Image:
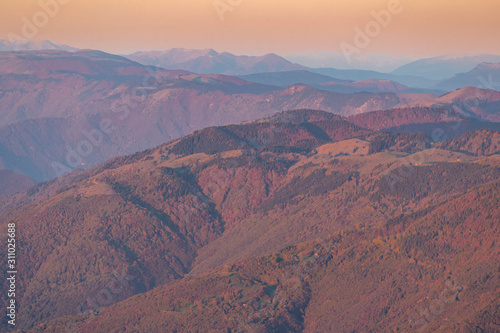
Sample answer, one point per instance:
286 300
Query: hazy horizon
312 59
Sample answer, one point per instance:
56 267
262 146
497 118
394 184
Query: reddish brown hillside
226 194
380 120
433 271
479 143
439 123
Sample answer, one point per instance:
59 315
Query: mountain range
428 73
209 61
56 107
196 191
72 110
484 75
303 221
201 191
204 61
60 106
442 73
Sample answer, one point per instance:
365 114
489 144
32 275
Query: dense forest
269 226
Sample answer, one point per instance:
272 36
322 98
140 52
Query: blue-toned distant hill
209 61
484 76
444 67
329 83
359 74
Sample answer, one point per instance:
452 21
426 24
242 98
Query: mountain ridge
444 67
484 76
146 106
209 61
186 204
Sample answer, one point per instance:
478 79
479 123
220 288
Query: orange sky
424 27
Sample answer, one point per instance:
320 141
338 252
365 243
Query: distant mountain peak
204 61
444 67
28 45
469 92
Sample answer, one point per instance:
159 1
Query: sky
413 28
